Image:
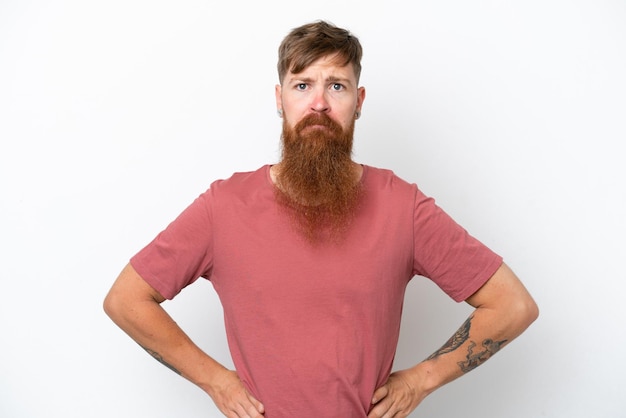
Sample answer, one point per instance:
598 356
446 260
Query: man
310 258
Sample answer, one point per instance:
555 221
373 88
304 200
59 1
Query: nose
320 102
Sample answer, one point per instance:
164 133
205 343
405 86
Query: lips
313 127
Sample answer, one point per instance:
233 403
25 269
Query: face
323 87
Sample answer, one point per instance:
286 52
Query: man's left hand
397 398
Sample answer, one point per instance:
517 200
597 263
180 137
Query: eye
301 86
337 87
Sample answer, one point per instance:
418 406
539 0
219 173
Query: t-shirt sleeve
447 254
181 253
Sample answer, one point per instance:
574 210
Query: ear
279 99
360 98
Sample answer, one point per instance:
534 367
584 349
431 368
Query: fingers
255 405
383 402
234 400
383 409
396 398
388 409
246 410
380 393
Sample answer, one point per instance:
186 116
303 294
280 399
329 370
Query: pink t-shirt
313 330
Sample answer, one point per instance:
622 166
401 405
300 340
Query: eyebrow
331 79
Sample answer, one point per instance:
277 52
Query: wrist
212 378
425 378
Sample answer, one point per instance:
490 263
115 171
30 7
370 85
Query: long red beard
316 180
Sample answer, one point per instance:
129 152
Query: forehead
330 66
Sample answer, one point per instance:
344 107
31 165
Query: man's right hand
232 398
135 307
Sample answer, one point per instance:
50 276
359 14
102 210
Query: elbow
108 305
112 305
533 311
526 312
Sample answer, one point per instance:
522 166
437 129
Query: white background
115 114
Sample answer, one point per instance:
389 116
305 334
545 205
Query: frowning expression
322 87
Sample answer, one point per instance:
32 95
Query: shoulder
242 182
395 190
386 179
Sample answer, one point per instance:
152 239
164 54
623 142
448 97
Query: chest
261 259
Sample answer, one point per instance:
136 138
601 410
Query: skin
503 307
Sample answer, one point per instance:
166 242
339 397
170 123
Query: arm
136 308
503 310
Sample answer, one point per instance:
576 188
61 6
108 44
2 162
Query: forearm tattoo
455 341
159 358
472 359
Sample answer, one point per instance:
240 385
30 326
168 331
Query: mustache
320 119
